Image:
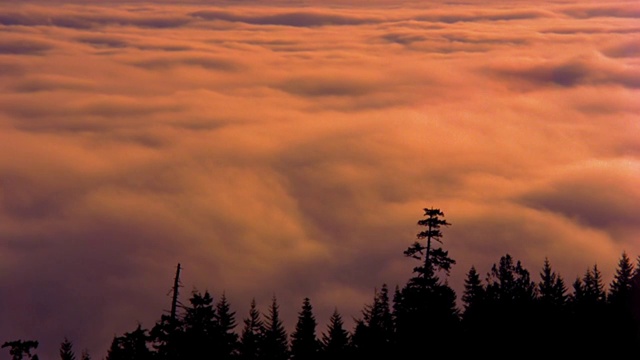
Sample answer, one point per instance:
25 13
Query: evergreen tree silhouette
274 344
434 258
620 288
621 323
552 290
473 316
304 342
551 310
635 301
511 295
335 342
588 309
167 338
18 349
66 350
200 327
226 323
374 332
426 310
251 336
594 291
130 346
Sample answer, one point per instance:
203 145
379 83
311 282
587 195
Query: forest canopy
525 312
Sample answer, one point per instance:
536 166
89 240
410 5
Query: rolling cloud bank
290 150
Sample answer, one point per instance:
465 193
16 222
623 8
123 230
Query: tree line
504 314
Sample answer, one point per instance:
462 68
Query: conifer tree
374 333
335 342
200 327
474 292
552 291
427 310
304 342
275 345
226 323
621 323
511 296
473 299
66 350
434 257
130 346
18 349
251 335
167 338
474 316
594 290
551 309
588 309
635 300
620 288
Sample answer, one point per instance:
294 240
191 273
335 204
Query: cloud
629 49
291 18
101 41
588 70
600 194
328 86
204 61
289 150
10 46
474 15
622 10
86 17
51 83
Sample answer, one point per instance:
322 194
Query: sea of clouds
288 150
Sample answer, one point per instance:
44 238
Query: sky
288 149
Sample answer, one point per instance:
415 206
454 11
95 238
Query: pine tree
335 342
474 293
620 288
228 342
621 324
552 291
304 343
18 349
200 327
593 287
66 350
374 334
130 346
511 296
251 336
275 344
551 309
635 300
427 309
588 310
168 339
475 310
434 258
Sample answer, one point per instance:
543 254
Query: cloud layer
290 150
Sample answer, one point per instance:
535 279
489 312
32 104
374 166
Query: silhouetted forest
505 313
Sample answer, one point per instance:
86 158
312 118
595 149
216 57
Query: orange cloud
273 148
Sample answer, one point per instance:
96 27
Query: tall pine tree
335 342
227 339
66 350
251 335
304 342
275 345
